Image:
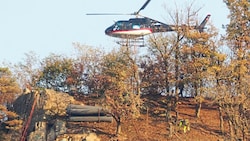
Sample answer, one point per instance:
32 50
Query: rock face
40 132
48 118
58 133
23 105
78 137
49 103
58 128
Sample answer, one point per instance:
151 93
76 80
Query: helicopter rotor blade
144 5
135 13
106 14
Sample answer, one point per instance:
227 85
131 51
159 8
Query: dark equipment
139 27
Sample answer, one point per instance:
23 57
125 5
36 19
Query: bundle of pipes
88 113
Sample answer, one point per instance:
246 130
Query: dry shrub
55 103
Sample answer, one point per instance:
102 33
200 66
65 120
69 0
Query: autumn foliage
184 64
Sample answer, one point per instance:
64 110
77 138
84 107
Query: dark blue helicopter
138 27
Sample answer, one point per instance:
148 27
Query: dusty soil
151 125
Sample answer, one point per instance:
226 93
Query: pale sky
51 26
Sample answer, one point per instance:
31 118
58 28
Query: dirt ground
151 125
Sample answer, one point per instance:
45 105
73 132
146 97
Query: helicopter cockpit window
120 25
116 27
138 23
136 26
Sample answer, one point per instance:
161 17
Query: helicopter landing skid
135 42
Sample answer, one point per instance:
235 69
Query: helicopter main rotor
144 5
135 13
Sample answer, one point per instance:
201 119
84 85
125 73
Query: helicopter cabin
139 23
135 23
132 28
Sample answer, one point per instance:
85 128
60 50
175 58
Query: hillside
152 126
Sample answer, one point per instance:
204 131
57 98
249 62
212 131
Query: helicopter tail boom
201 27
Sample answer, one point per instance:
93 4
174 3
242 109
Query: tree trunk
176 106
177 117
170 129
221 120
231 130
235 124
198 110
118 127
168 109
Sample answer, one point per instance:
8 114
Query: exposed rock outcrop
49 104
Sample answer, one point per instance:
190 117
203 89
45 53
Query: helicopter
139 27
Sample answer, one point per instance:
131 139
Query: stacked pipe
86 113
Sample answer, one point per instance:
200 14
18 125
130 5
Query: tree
9 90
26 72
55 72
156 67
181 58
120 96
87 67
237 82
216 73
200 50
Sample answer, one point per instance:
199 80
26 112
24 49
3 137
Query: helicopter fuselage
132 33
138 27
135 27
